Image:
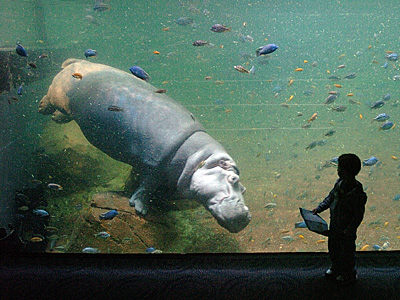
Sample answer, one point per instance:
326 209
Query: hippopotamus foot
140 200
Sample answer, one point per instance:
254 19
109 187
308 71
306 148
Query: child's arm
324 204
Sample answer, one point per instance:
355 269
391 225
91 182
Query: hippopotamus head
215 184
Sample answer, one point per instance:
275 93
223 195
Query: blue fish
382 117
102 234
19 92
396 198
41 213
392 57
377 247
21 50
140 73
386 64
300 225
184 21
90 250
386 97
335 160
370 161
108 215
386 126
266 49
377 104
90 53
150 250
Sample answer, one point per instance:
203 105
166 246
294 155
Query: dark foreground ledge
193 276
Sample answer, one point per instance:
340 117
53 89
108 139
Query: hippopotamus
127 119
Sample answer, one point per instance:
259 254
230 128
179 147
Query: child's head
349 165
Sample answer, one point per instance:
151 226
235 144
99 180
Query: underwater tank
283 117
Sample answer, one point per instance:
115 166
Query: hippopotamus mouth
222 194
230 211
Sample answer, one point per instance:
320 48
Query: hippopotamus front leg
143 195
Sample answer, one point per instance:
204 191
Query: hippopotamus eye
232 179
223 164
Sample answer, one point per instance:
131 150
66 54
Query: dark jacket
347 206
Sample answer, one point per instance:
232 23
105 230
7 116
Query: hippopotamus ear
70 61
242 188
61 118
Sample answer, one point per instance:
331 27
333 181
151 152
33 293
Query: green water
244 111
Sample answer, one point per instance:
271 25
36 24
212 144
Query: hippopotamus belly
123 116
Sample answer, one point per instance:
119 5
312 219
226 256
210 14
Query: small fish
340 108
32 65
288 238
320 241
312 118
311 145
267 49
300 225
160 91
341 66
77 76
330 132
270 205
377 247
364 248
381 117
139 73
19 92
386 97
298 69
101 7
21 50
290 82
44 55
156 52
350 94
396 77
36 239
241 69
334 77
115 108
55 186
41 213
392 57
219 28
370 161
338 85
90 53
330 99
199 43
396 198
350 76
377 104
387 125
102 234
252 70
108 215
184 21
90 250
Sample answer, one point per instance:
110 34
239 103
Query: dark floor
214 276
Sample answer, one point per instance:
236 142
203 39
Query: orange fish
156 52
393 157
77 76
375 61
350 94
290 82
298 69
305 61
370 46
228 110
332 92
208 78
389 51
361 116
165 29
337 85
290 98
313 117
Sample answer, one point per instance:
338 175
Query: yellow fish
365 247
